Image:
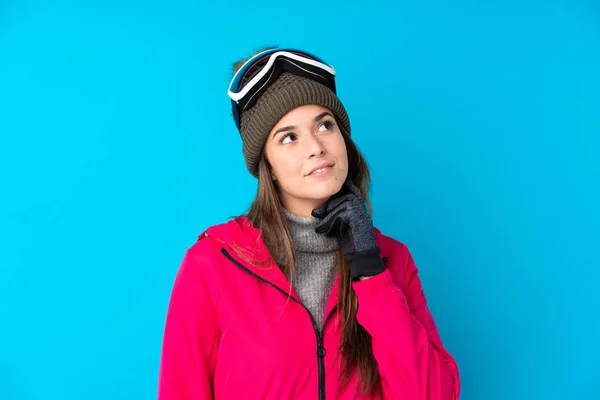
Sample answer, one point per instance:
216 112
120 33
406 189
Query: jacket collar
243 244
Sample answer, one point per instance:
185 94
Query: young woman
301 297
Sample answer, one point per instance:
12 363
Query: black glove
345 216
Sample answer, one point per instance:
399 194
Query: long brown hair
267 214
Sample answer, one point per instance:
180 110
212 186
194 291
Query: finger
355 190
319 212
329 223
329 205
334 229
344 225
336 201
332 204
345 194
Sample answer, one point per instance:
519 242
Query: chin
327 189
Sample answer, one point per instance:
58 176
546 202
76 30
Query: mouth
321 169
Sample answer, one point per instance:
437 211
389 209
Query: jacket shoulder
207 244
389 244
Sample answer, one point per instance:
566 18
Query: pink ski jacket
233 333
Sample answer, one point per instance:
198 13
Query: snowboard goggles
256 75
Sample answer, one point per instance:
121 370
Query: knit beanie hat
285 94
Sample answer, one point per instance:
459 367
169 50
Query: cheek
340 151
284 164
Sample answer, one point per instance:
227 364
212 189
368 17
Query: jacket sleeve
412 361
191 338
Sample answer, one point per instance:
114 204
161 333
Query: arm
191 338
413 363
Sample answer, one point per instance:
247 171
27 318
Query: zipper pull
321 351
320 348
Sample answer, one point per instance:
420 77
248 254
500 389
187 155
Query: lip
324 165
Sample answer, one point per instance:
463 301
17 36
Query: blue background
480 120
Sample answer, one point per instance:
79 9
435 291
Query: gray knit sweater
316 264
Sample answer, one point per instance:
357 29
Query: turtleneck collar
304 236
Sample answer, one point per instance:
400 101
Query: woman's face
308 158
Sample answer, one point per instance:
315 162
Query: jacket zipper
318 333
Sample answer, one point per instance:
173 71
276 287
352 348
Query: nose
315 146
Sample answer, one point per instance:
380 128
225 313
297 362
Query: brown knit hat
285 94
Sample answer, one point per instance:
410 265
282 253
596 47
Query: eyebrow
292 127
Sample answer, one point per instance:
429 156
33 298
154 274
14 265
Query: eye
328 124
287 138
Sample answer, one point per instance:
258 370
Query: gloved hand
345 216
